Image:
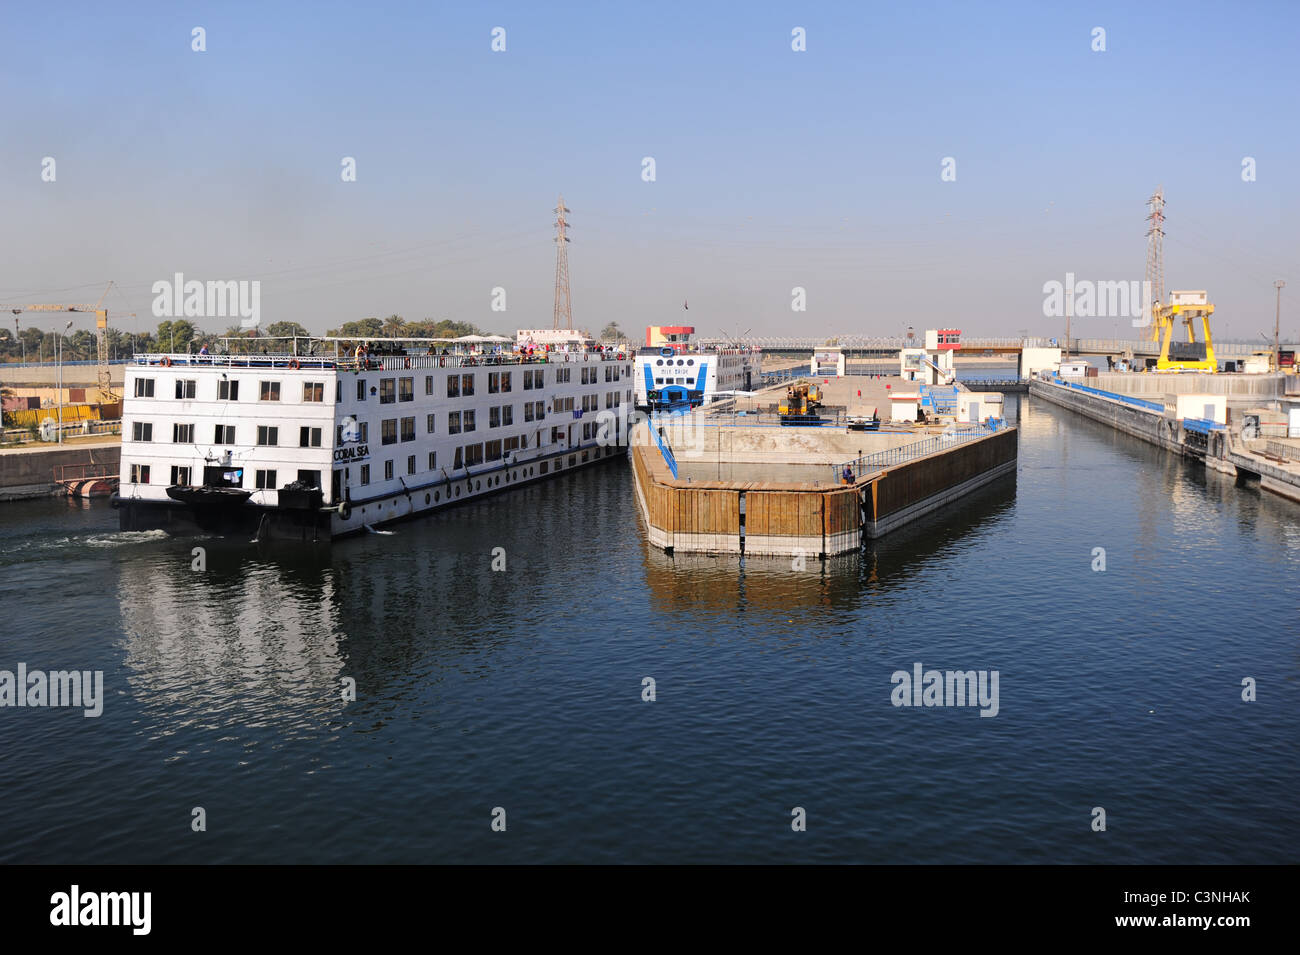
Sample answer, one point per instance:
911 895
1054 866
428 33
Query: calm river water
522 688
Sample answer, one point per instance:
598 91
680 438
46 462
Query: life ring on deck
345 510
293 363
621 356
408 363
442 361
167 362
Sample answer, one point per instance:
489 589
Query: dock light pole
58 338
1277 326
2 417
1067 326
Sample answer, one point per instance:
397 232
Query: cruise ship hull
323 524
308 449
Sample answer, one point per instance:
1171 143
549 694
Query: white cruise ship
319 443
678 373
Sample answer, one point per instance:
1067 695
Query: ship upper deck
696 349
388 355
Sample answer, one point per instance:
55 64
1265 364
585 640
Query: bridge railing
750 419
1202 425
1119 346
669 458
71 429
865 463
1077 346
1285 451
1142 403
9 365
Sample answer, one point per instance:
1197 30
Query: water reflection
730 584
246 642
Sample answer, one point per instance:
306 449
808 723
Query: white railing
370 363
71 429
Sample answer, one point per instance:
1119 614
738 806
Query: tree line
182 335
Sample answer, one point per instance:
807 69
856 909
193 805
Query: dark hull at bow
209 497
223 514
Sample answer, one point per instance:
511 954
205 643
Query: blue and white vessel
684 374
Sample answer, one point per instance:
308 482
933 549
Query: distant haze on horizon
774 168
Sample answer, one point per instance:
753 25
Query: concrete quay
28 471
1145 412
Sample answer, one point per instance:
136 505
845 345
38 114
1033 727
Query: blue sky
775 168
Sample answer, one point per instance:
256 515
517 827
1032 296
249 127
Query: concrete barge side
757 517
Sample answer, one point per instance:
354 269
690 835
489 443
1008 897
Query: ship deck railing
369 363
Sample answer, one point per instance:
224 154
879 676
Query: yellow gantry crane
106 392
1193 308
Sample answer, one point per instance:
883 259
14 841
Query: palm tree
234 345
394 326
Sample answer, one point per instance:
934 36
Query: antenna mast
563 305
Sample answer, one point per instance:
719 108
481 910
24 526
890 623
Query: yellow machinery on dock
1192 355
800 401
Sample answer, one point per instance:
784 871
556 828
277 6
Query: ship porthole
514 476
437 496
426 499
458 492
478 485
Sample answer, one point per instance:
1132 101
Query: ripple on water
232 688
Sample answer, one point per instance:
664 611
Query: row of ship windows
267 435
390 389
228 389
231 477
465 456
457 422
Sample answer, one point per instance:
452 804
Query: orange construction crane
107 394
